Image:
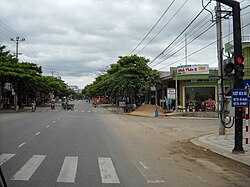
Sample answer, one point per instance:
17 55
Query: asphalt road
94 147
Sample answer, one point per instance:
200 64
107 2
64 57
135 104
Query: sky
77 39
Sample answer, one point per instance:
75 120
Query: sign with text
193 69
239 98
171 93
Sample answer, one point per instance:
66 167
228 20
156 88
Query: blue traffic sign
246 84
239 98
124 98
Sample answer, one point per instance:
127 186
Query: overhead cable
169 56
152 27
191 54
163 26
180 34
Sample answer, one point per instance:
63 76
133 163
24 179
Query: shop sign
193 69
239 98
171 93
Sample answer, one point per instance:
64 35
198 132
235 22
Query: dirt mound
148 110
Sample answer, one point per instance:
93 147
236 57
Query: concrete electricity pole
52 73
17 41
220 68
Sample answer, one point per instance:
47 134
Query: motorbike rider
52 105
33 106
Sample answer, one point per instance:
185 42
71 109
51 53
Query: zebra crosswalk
29 168
68 170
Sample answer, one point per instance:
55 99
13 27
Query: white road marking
145 167
47 126
58 118
155 181
54 121
22 144
107 170
37 133
89 111
83 111
68 171
5 157
29 168
145 171
76 110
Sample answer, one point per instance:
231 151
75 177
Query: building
197 85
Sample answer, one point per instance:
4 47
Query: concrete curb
206 142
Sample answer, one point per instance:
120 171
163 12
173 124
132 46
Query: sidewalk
223 145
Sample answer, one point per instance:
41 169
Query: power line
181 33
27 45
206 46
153 27
169 56
190 33
163 26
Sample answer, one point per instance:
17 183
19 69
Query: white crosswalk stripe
107 170
5 157
68 171
29 168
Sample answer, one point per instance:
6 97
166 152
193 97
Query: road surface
94 147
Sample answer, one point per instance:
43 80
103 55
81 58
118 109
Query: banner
171 93
193 69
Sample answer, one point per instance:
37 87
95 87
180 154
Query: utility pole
176 91
220 69
52 73
186 48
17 41
238 83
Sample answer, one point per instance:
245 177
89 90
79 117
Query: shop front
199 96
198 87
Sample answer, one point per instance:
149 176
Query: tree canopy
130 76
28 76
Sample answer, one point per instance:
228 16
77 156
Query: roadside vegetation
130 76
27 81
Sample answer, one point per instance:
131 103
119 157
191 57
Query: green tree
27 79
130 76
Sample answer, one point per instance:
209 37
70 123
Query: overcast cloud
77 38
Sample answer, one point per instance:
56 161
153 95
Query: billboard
193 69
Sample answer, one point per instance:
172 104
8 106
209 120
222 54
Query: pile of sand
148 110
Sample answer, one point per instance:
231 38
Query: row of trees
27 79
130 76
